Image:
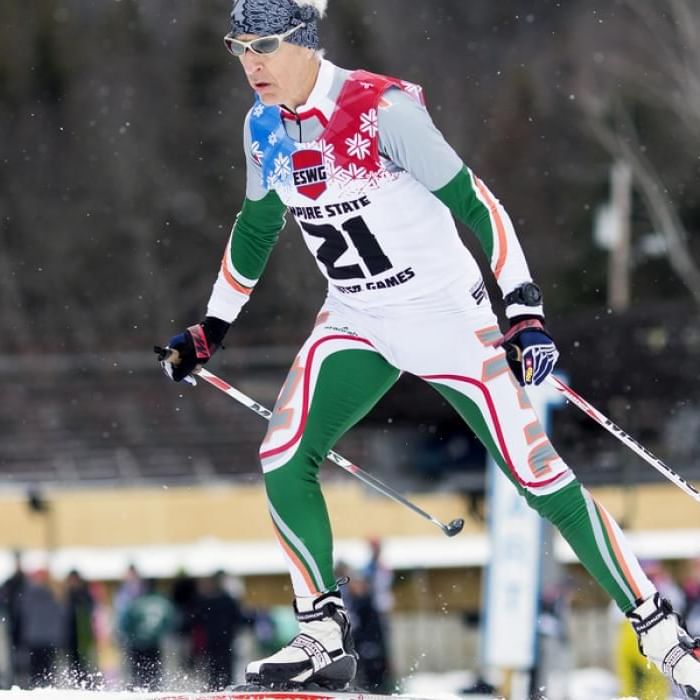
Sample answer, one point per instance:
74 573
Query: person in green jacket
146 621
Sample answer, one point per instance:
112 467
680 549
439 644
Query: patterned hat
264 17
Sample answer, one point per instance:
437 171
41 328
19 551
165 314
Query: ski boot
663 640
322 654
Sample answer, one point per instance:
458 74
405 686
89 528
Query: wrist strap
521 326
201 345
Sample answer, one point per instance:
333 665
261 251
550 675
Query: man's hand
187 351
530 350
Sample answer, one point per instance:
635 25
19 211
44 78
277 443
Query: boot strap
663 610
672 658
322 614
648 622
317 653
333 603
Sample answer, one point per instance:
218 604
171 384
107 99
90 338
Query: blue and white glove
191 349
530 350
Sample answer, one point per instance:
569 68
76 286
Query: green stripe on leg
566 509
349 384
297 550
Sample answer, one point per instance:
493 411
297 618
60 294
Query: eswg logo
309 173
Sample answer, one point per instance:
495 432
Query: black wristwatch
527 294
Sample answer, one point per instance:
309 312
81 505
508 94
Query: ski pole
623 437
451 529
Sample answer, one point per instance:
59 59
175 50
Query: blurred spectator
80 635
380 578
185 599
107 653
219 618
368 632
664 582
10 599
691 591
144 624
131 587
554 610
553 660
42 626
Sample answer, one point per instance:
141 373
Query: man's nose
251 62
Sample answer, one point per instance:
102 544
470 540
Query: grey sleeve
254 189
408 137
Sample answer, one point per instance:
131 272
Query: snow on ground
58 694
63 694
584 684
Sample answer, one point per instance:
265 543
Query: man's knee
296 462
558 505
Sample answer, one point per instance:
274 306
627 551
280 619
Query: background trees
123 168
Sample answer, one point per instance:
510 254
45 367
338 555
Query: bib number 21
334 245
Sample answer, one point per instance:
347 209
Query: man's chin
267 97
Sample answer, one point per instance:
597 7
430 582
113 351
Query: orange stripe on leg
283 412
605 518
296 562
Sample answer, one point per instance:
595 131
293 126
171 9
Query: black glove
192 348
530 350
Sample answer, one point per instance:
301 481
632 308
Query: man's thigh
461 359
336 378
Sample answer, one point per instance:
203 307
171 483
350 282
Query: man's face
278 76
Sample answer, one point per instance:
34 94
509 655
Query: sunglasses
264 46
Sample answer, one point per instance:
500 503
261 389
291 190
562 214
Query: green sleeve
255 233
461 199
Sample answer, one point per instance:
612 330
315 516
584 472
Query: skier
373 186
